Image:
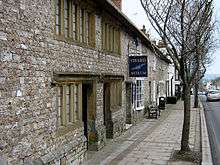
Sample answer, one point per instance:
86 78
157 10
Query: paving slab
151 141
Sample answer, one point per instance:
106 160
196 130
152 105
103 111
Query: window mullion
80 102
63 111
72 115
62 17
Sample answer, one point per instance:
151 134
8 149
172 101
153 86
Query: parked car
201 93
213 95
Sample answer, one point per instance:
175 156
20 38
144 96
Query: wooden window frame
111 38
116 94
88 39
75 113
139 91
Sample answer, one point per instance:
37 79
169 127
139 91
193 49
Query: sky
135 12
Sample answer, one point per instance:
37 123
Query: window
81 27
116 93
58 17
177 76
139 94
66 18
110 38
69 103
75 22
74 26
154 63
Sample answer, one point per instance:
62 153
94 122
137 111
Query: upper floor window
58 17
75 22
110 38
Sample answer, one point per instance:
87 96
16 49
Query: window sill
62 130
139 108
111 53
115 108
73 42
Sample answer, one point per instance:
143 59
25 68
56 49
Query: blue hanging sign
138 66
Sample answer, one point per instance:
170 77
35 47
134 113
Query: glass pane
65 4
66 18
66 23
74 21
87 27
57 30
58 17
81 25
76 99
66 32
67 101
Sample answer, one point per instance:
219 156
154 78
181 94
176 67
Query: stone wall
29 57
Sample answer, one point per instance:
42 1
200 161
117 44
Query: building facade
64 84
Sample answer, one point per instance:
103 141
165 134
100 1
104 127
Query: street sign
138 66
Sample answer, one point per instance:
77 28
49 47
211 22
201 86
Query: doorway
107 111
129 101
88 111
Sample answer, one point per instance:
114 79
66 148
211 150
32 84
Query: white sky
134 11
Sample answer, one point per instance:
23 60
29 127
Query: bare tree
185 26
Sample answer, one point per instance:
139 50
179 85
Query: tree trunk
183 92
186 122
196 99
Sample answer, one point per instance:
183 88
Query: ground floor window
116 93
69 103
139 94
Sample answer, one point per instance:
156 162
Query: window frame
64 107
73 36
111 36
177 76
139 91
115 94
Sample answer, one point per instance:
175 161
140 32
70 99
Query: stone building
64 84
173 83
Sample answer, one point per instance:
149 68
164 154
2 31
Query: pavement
153 141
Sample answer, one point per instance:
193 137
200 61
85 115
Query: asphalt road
212 114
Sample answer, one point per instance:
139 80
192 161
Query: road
212 113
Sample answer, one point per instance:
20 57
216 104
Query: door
85 90
107 111
128 103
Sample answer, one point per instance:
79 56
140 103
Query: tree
186 28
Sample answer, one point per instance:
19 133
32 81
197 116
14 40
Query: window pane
63 107
81 25
76 99
113 39
140 93
59 100
87 27
66 18
58 17
110 37
103 36
106 36
74 20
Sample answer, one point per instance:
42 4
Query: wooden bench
153 111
